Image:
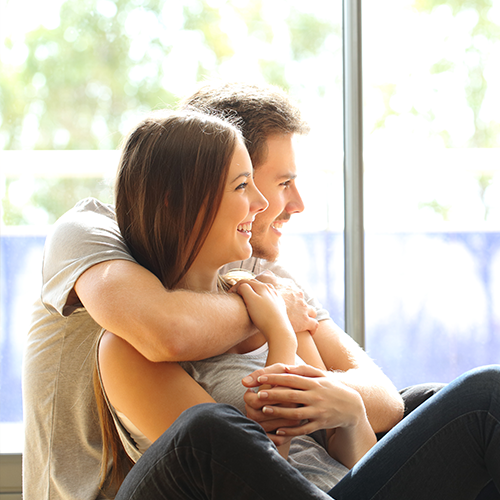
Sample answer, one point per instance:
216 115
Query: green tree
83 82
81 79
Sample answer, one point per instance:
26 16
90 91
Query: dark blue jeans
448 448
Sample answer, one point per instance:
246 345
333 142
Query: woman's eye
243 185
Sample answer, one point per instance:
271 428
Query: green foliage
386 91
435 206
256 25
456 5
53 196
476 86
82 82
308 34
80 79
442 66
274 72
206 19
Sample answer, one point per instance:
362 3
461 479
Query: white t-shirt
62 452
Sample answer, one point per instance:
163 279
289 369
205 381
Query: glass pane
432 186
79 73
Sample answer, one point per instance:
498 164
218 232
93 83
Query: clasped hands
301 400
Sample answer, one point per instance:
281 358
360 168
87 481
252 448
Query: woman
185 202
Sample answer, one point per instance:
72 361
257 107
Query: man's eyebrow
286 177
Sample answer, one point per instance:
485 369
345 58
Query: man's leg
415 395
213 452
448 448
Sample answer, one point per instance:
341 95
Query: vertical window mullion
353 172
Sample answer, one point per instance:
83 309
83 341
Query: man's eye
286 184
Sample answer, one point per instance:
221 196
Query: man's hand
300 313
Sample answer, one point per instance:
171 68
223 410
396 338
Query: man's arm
125 298
354 368
128 300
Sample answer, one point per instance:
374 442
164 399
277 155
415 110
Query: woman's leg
213 452
449 448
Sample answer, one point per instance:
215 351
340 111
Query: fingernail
262 378
280 433
267 409
248 380
263 395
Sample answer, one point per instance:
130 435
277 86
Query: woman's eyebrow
243 174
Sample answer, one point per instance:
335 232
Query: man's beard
259 248
262 252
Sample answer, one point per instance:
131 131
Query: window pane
432 187
79 73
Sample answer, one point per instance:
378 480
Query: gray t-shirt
62 451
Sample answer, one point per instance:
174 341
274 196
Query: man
91 281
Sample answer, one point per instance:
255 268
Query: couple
90 280
185 204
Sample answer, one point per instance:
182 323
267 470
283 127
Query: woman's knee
482 384
484 377
212 422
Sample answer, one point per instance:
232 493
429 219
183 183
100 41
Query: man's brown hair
261 111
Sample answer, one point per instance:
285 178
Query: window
432 186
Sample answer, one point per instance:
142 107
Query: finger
267 277
311 325
300 430
278 423
297 414
251 379
279 440
246 291
311 312
290 380
252 400
303 370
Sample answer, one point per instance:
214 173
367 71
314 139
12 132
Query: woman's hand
319 401
266 309
301 314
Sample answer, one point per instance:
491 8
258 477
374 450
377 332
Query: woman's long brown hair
172 171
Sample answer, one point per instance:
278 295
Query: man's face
275 179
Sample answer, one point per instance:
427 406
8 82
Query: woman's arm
152 395
267 310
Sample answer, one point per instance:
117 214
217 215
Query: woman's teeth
245 228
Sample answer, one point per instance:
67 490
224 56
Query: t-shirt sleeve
86 235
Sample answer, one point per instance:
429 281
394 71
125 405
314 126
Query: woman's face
229 237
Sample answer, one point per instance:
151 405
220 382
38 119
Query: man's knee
415 395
